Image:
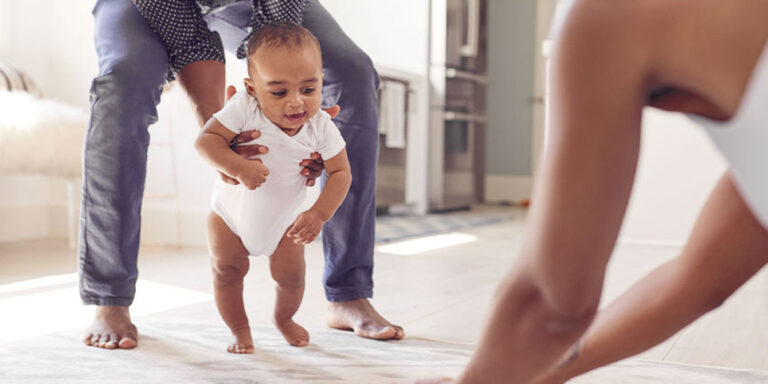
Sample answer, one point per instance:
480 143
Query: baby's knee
290 278
228 270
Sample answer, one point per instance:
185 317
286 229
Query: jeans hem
344 296
103 301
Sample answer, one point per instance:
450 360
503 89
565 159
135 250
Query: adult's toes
378 333
111 341
399 332
127 342
103 340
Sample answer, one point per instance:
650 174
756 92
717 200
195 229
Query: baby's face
287 83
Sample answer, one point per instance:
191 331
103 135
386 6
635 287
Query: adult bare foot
112 328
360 316
243 341
293 333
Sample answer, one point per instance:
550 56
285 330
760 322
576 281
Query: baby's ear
249 87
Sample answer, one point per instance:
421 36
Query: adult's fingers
333 111
230 91
245 136
311 174
312 165
250 150
228 180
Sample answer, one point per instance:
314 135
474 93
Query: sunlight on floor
423 244
57 307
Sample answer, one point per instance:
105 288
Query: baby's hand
253 174
306 227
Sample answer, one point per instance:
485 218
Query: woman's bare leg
727 247
287 268
229 261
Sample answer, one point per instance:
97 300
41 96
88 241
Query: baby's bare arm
213 145
308 225
336 187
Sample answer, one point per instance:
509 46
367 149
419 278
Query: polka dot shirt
186 36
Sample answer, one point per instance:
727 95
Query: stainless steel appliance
457 75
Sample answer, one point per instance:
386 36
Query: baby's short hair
280 34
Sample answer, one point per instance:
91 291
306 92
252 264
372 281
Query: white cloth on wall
392 113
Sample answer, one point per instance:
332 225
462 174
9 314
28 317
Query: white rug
642 372
193 352
190 352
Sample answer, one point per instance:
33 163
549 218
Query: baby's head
285 73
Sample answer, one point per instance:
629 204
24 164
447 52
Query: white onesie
261 216
743 141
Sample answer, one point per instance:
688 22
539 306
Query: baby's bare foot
293 333
243 342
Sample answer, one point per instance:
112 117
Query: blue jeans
132 68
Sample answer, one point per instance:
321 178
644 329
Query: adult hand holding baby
313 166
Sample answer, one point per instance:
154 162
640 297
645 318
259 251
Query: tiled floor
441 294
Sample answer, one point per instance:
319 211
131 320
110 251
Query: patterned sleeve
181 27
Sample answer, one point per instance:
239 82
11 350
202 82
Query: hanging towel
392 110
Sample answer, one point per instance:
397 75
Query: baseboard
184 227
507 188
160 227
22 222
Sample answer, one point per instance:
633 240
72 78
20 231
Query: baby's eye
307 91
278 93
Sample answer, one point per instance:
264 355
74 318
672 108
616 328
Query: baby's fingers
310 235
293 230
301 235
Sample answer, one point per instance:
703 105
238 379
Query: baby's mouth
295 116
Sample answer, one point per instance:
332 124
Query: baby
262 216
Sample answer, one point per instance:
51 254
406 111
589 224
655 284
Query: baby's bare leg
287 267
229 261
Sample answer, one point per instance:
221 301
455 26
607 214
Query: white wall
394 33
52 41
